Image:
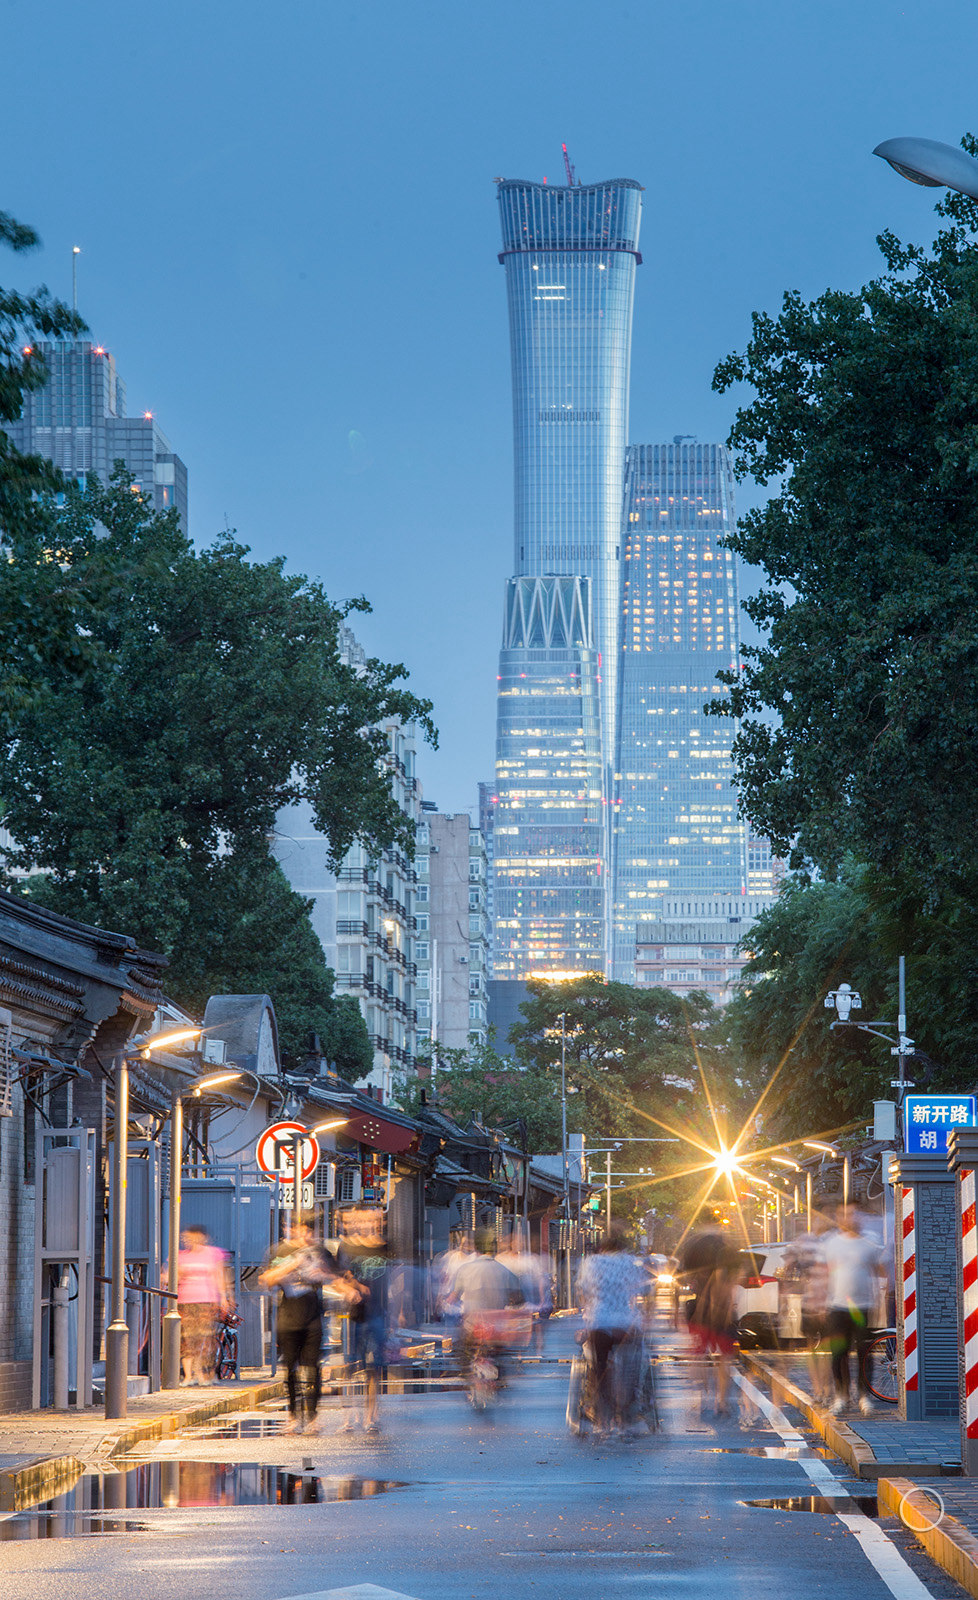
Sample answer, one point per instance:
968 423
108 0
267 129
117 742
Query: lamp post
845 999
563 1151
172 1322
117 1332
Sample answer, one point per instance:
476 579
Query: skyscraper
677 829
570 255
78 421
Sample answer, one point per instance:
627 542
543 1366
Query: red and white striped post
910 1366
924 1226
962 1158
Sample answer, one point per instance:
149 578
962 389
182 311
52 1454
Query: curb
172 1422
949 1544
39 1480
842 1440
53 1475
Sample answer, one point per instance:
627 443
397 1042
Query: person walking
363 1256
204 1293
299 1267
609 1287
854 1262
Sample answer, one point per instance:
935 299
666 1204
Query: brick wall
16 1261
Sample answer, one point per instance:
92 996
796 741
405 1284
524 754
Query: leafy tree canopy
631 1054
146 788
478 1083
857 711
852 930
38 624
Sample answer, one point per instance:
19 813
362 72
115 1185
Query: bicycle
881 1358
631 1384
226 1356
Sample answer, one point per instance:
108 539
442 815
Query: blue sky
289 237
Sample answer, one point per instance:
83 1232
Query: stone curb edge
949 1544
52 1475
842 1440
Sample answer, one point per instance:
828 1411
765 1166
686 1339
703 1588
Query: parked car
757 1298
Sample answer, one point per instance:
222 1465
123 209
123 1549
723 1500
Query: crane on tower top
568 167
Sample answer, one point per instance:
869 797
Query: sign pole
296 1183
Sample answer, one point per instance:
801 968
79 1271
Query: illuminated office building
678 834
570 255
78 421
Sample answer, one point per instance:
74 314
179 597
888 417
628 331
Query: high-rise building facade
570 255
677 831
78 421
368 914
453 952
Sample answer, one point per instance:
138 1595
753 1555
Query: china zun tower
569 255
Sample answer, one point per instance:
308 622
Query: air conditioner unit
347 1186
324 1179
214 1052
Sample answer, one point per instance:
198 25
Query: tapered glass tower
570 255
680 846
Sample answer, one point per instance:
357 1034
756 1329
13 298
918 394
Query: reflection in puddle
98 1502
771 1452
828 1505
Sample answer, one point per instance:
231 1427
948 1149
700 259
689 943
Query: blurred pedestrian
364 1258
299 1267
712 1268
854 1262
533 1278
204 1293
610 1285
806 1270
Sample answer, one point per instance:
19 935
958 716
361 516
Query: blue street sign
929 1118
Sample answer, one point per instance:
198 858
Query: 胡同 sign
929 1118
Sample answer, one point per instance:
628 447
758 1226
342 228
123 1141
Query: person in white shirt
609 1285
853 1260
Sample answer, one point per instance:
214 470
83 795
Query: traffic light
594 1204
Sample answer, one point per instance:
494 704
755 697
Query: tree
856 712
38 606
252 935
146 789
852 929
631 1054
478 1083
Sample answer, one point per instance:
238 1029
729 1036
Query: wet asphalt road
509 1505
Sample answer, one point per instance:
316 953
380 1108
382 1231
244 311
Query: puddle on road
771 1452
826 1505
99 1503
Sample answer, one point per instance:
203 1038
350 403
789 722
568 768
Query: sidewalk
43 1452
916 1465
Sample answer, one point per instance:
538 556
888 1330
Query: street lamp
563 1151
932 164
845 1000
117 1332
172 1321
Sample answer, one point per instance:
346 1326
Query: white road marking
355 1591
876 1545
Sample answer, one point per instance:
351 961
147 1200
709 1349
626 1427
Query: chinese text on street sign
929 1118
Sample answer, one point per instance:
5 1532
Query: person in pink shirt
203 1294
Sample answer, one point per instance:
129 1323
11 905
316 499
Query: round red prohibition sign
276 1147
